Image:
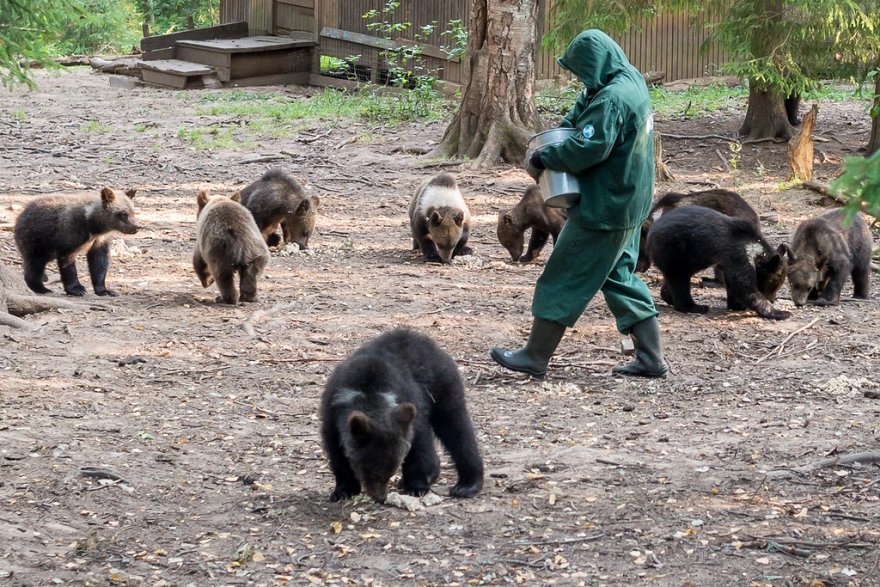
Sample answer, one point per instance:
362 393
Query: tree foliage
167 16
28 29
785 44
102 26
783 47
34 31
860 183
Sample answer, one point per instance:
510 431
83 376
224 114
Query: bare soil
202 418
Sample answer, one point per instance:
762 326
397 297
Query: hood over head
594 58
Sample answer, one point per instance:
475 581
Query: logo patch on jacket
589 131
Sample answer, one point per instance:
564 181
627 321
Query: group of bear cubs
381 408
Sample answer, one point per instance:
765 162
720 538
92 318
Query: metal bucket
559 188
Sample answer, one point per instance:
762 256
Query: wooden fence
671 42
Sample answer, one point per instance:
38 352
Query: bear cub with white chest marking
61 227
382 407
440 220
228 242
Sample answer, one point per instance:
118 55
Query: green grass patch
696 102
213 137
277 115
94 126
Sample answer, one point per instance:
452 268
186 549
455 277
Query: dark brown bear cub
687 240
824 253
61 227
529 213
382 407
727 202
277 198
228 243
440 220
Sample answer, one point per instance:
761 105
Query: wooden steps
175 73
209 58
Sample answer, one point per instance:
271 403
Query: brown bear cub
824 252
529 213
228 242
61 227
771 269
440 220
725 201
277 198
686 240
382 407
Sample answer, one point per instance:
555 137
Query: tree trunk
800 148
766 117
874 141
497 113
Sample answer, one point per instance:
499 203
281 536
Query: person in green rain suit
613 159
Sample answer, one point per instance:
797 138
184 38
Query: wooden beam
230 30
357 38
429 50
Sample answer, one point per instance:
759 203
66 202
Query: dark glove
533 164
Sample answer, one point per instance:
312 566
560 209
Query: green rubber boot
533 358
649 361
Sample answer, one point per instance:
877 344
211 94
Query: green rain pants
586 261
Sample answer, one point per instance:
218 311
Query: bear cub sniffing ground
228 242
727 202
278 198
382 407
440 220
686 240
61 227
529 213
824 252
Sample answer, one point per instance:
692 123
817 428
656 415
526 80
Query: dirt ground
207 414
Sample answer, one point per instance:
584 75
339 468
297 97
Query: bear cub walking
61 227
382 407
529 212
440 220
277 198
228 242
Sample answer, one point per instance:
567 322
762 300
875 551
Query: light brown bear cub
62 227
530 212
228 242
440 220
277 198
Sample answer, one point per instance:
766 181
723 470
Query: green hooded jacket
613 155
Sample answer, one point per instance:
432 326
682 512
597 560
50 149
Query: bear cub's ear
359 424
407 413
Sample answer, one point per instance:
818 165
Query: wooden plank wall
670 43
294 15
257 13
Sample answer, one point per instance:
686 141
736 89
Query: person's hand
533 164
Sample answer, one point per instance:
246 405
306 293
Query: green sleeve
580 152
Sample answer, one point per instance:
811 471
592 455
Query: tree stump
800 148
661 171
